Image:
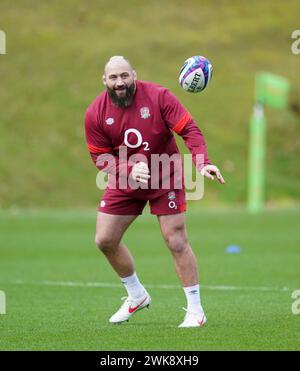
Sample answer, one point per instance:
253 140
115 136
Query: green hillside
52 69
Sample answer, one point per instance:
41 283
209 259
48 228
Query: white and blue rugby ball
195 74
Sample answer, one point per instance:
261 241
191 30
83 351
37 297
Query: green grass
41 249
51 72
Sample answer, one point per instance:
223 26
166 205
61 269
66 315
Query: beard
122 101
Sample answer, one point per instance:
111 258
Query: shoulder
150 87
93 110
161 93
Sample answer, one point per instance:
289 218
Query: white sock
133 286
192 294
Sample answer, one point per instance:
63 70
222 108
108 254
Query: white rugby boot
193 319
129 307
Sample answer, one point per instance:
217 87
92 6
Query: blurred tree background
52 71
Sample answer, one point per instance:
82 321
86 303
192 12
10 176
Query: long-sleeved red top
119 137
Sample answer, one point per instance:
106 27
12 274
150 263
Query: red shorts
116 202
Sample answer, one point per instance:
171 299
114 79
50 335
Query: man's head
119 79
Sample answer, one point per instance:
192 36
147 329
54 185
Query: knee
105 243
177 242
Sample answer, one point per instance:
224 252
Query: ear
134 75
104 80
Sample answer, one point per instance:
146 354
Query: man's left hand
210 171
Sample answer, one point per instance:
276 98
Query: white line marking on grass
116 285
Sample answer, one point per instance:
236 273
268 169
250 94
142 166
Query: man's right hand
140 172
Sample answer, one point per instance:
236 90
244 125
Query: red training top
144 128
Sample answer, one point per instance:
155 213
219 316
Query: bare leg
174 232
109 232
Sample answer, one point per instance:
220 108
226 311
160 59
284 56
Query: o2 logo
2 42
296 303
138 142
296 44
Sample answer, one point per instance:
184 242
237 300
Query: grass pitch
60 291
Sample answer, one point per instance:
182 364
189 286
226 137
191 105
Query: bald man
139 118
